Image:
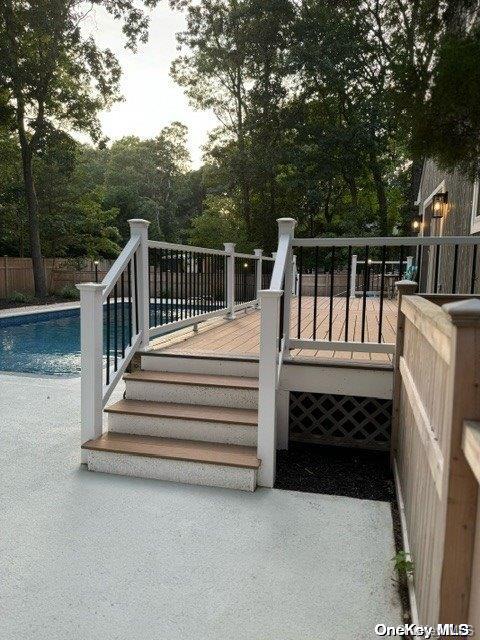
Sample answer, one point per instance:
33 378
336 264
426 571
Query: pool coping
36 309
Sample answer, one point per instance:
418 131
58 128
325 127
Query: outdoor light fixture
96 270
417 221
245 264
439 201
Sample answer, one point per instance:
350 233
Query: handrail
119 265
278 274
156 244
392 241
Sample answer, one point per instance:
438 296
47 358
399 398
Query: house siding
457 222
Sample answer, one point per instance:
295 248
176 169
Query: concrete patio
85 555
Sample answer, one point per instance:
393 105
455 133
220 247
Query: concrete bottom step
186 461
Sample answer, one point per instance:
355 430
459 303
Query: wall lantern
439 201
416 223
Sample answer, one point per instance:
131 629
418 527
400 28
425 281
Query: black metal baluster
162 287
107 331
122 291
437 264
364 300
332 276
172 301
400 266
129 278
135 291
347 304
474 269
300 274
455 267
155 285
115 328
382 285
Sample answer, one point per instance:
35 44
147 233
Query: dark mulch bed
335 471
32 302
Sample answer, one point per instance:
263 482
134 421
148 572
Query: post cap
464 313
406 286
258 252
229 246
286 226
269 293
139 222
90 286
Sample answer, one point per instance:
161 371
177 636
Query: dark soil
335 471
7 304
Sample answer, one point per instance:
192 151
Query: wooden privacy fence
437 377
16 274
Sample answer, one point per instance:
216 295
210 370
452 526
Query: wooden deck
241 337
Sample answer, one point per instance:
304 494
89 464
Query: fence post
353 276
461 488
286 226
139 227
267 385
230 249
258 273
91 344
404 288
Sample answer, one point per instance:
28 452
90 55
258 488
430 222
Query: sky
151 98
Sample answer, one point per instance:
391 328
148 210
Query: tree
51 75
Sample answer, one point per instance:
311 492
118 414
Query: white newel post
267 378
230 249
353 276
139 227
91 344
258 273
286 227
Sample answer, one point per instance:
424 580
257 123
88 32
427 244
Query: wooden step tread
204 413
197 379
187 450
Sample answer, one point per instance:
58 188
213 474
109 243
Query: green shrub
70 292
18 297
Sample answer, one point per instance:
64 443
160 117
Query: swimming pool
46 342
49 342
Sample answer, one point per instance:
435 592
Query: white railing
120 315
275 311
276 340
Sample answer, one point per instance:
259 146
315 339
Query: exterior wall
456 222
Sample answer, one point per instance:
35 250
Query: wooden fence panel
16 274
438 387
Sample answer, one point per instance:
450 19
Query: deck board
241 337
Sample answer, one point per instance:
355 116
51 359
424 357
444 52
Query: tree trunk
33 223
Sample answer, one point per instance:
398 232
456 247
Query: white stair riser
207 366
187 472
183 429
192 394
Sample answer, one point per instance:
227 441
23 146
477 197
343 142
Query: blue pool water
49 342
41 343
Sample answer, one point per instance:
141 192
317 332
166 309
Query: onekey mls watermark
424 631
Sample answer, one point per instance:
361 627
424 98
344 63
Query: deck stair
181 426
